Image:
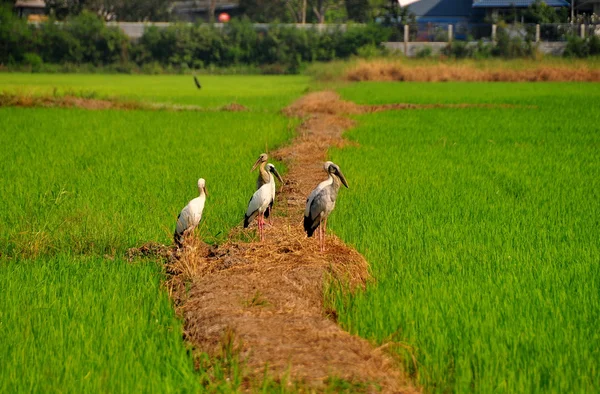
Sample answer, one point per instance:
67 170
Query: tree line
86 39
258 11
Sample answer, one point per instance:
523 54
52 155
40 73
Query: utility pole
572 11
304 12
211 11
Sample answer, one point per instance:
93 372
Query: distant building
33 10
587 7
444 11
503 7
198 10
471 11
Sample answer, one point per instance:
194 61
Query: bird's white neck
264 174
335 181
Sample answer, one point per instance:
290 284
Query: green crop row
257 93
79 188
481 227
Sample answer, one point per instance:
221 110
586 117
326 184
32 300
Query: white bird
263 198
190 215
321 202
260 181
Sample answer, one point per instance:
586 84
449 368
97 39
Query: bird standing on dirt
321 202
262 198
190 215
260 181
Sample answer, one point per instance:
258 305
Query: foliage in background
86 39
122 10
536 12
540 12
582 47
512 41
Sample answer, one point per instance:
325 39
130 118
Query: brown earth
269 295
71 101
440 72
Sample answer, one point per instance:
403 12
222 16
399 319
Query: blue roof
442 8
515 3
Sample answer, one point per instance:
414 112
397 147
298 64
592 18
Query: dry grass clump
443 72
20 100
75 101
269 295
331 110
234 107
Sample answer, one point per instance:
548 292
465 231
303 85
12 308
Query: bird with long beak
264 196
321 202
260 181
190 215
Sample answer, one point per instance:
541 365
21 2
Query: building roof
30 4
185 6
442 8
515 3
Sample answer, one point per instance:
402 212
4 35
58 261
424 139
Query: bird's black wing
268 211
313 220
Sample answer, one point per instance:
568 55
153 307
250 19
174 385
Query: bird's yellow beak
258 161
343 179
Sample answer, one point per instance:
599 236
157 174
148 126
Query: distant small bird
260 181
321 202
190 215
262 198
197 82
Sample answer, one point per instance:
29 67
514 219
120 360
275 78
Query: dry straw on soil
74 101
269 295
442 72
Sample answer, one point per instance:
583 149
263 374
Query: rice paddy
481 227
258 93
81 187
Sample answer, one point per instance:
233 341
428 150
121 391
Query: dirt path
270 295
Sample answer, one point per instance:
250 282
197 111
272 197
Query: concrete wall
136 29
413 48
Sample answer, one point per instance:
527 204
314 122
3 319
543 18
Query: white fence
549 38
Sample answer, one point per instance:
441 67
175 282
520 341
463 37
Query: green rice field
481 226
258 93
81 187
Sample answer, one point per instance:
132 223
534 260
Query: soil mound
270 294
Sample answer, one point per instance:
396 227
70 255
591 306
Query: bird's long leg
258 222
270 220
324 234
261 218
321 238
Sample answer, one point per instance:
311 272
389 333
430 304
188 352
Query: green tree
121 10
267 11
540 12
321 7
358 10
15 36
